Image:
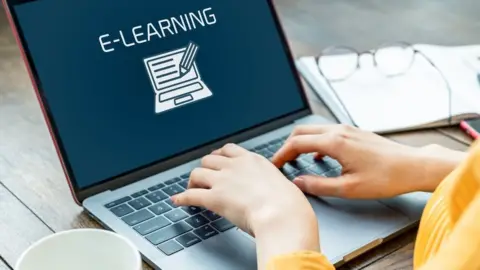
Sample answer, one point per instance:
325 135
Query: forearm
436 163
287 234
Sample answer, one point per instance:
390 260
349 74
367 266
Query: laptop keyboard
152 214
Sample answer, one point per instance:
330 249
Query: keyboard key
211 215
160 208
278 145
139 203
310 159
122 210
176 215
261 147
139 194
302 172
170 247
333 173
156 187
222 225
273 148
288 169
184 184
322 165
188 240
299 164
205 232
170 203
314 170
197 221
332 162
192 210
304 164
156 196
173 189
118 202
277 141
291 177
185 176
152 225
264 153
168 233
174 180
138 217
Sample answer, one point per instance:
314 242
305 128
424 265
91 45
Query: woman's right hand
373 166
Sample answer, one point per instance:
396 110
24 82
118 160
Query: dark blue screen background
103 103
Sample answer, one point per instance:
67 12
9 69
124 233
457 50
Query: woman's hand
251 192
373 166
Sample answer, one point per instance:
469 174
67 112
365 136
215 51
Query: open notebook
418 99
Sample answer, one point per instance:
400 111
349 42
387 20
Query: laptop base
347 227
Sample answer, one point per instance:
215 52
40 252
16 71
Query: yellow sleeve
306 260
461 250
452 239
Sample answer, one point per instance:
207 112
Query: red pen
471 127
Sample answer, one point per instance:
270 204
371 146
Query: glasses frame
373 53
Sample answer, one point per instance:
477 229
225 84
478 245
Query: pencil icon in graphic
188 58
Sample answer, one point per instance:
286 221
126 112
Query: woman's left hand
252 193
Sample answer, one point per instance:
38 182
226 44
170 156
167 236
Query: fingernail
299 181
173 198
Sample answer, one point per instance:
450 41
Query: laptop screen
130 83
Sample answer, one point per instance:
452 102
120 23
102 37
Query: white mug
82 249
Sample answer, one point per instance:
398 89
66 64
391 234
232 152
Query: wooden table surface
35 200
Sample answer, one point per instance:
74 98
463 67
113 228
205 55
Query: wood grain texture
30 168
35 174
384 251
19 227
312 25
401 259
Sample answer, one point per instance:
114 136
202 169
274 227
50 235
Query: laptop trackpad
231 250
347 225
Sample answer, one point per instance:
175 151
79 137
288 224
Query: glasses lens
338 63
394 59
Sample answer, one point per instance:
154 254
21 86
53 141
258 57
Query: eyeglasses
339 63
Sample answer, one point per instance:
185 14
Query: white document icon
175 78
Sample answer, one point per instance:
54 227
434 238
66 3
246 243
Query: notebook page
308 67
380 103
461 66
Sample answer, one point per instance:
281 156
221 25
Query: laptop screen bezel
165 163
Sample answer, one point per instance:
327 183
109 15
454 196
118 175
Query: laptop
102 70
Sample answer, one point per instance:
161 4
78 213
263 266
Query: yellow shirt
449 232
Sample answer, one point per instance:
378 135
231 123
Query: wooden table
34 197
